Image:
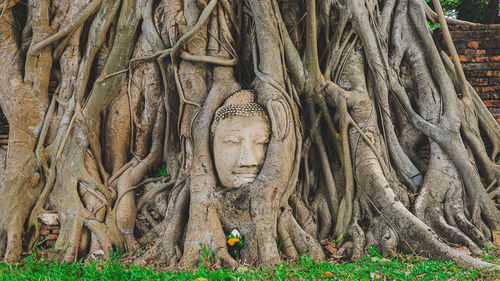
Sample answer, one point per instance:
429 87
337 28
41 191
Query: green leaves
433 26
468 10
162 172
373 266
339 238
208 256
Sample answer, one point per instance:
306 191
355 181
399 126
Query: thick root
19 191
303 243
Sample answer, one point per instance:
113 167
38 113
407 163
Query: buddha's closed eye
231 140
262 140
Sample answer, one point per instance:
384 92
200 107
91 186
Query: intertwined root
10 236
19 189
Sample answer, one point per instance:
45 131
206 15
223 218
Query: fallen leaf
462 249
496 237
411 196
242 269
375 275
332 250
328 274
420 276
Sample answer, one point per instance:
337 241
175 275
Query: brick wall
479 51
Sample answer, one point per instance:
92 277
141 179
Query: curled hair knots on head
241 103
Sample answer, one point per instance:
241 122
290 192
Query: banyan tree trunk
375 135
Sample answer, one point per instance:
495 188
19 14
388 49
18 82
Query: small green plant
402 267
375 255
339 239
117 254
281 244
433 26
162 171
491 254
37 246
208 256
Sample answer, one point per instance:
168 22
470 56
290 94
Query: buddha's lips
248 177
246 171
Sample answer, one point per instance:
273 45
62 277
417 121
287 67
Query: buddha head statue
240 134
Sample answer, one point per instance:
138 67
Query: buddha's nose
247 155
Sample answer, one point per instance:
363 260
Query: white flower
97 253
235 233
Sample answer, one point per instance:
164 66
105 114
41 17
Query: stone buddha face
240 137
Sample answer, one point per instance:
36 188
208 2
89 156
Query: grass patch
371 267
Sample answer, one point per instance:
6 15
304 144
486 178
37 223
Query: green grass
372 267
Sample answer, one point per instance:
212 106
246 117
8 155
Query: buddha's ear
279 115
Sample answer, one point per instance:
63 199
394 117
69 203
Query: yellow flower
233 241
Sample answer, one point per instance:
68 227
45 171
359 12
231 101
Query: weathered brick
494 65
490 43
481 66
479 59
490 89
457 35
460 44
482 59
474 52
493 80
462 58
477 35
475 27
492 103
473 44
478 81
476 73
484 96
494 110
493 52
493 73
52 236
490 95
50 227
